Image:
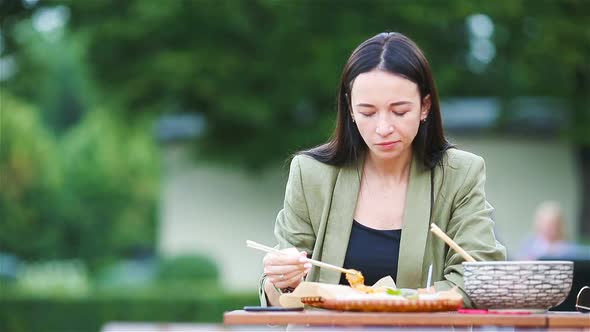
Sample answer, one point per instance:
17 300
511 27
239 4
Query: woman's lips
387 145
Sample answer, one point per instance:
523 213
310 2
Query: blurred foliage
172 276
129 275
179 277
30 178
112 187
268 70
264 73
78 165
62 296
23 314
187 268
62 279
49 65
89 194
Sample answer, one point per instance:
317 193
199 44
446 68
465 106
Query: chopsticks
438 232
262 247
429 277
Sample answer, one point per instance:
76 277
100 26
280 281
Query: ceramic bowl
518 285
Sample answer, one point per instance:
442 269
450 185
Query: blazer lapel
339 222
415 228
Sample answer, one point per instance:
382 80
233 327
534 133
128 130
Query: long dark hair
397 54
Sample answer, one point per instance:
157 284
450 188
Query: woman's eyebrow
364 105
397 103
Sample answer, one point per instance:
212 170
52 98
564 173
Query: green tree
89 194
30 178
264 73
262 70
100 200
111 186
48 64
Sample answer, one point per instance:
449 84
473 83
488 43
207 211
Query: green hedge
90 314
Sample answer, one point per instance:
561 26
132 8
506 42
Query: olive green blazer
320 202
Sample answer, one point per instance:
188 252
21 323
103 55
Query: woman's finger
285 269
292 280
290 256
287 275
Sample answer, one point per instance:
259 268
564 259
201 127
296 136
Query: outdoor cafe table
572 321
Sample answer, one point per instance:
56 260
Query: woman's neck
395 170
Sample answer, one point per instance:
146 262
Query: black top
373 252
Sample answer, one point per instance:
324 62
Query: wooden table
568 320
550 320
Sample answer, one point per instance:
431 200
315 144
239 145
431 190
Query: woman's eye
400 113
367 114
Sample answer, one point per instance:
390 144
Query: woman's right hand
288 269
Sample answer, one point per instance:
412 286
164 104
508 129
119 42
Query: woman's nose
384 128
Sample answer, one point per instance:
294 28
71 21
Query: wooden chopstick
438 232
262 247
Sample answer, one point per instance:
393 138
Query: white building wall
521 173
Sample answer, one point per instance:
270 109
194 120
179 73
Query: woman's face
387 111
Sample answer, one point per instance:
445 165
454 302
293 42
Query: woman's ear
425 109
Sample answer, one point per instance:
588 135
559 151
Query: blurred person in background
365 199
548 239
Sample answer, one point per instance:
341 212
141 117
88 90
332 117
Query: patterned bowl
518 285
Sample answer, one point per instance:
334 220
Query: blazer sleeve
293 227
471 226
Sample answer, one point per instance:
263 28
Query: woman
365 199
549 238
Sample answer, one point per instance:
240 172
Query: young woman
365 199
